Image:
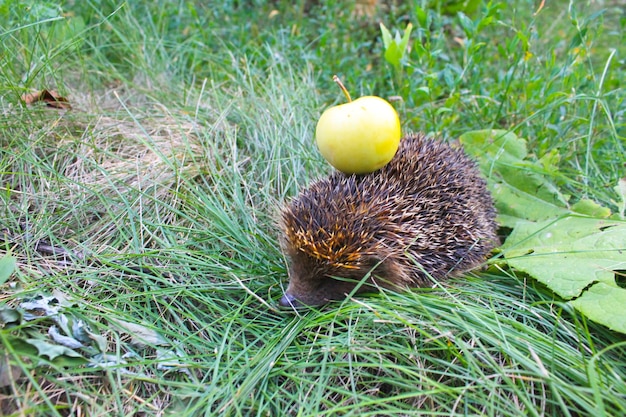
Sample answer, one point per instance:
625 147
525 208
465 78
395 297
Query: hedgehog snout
289 301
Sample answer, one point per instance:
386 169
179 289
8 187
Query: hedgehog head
329 259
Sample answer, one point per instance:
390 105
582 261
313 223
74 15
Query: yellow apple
360 136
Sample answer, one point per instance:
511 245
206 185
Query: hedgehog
425 216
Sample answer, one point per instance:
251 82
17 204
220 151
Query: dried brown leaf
50 98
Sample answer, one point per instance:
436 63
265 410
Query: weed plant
148 210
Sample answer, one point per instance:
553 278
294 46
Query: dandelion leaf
9 316
52 351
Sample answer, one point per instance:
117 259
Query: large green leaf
570 253
578 258
519 189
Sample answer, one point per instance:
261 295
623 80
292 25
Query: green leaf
386 35
425 91
466 24
395 48
591 208
100 340
605 304
576 256
578 39
420 14
52 351
7 266
9 315
451 7
570 253
494 145
404 43
520 190
393 55
550 161
449 77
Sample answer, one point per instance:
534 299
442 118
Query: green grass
191 124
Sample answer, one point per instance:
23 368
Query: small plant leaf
386 35
550 161
63 340
591 208
469 7
404 43
169 359
421 16
40 306
393 54
9 316
578 39
7 266
52 351
466 24
395 48
101 341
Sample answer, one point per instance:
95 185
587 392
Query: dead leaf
50 98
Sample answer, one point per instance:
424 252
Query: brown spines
335 247
333 241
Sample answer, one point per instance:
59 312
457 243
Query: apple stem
343 88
